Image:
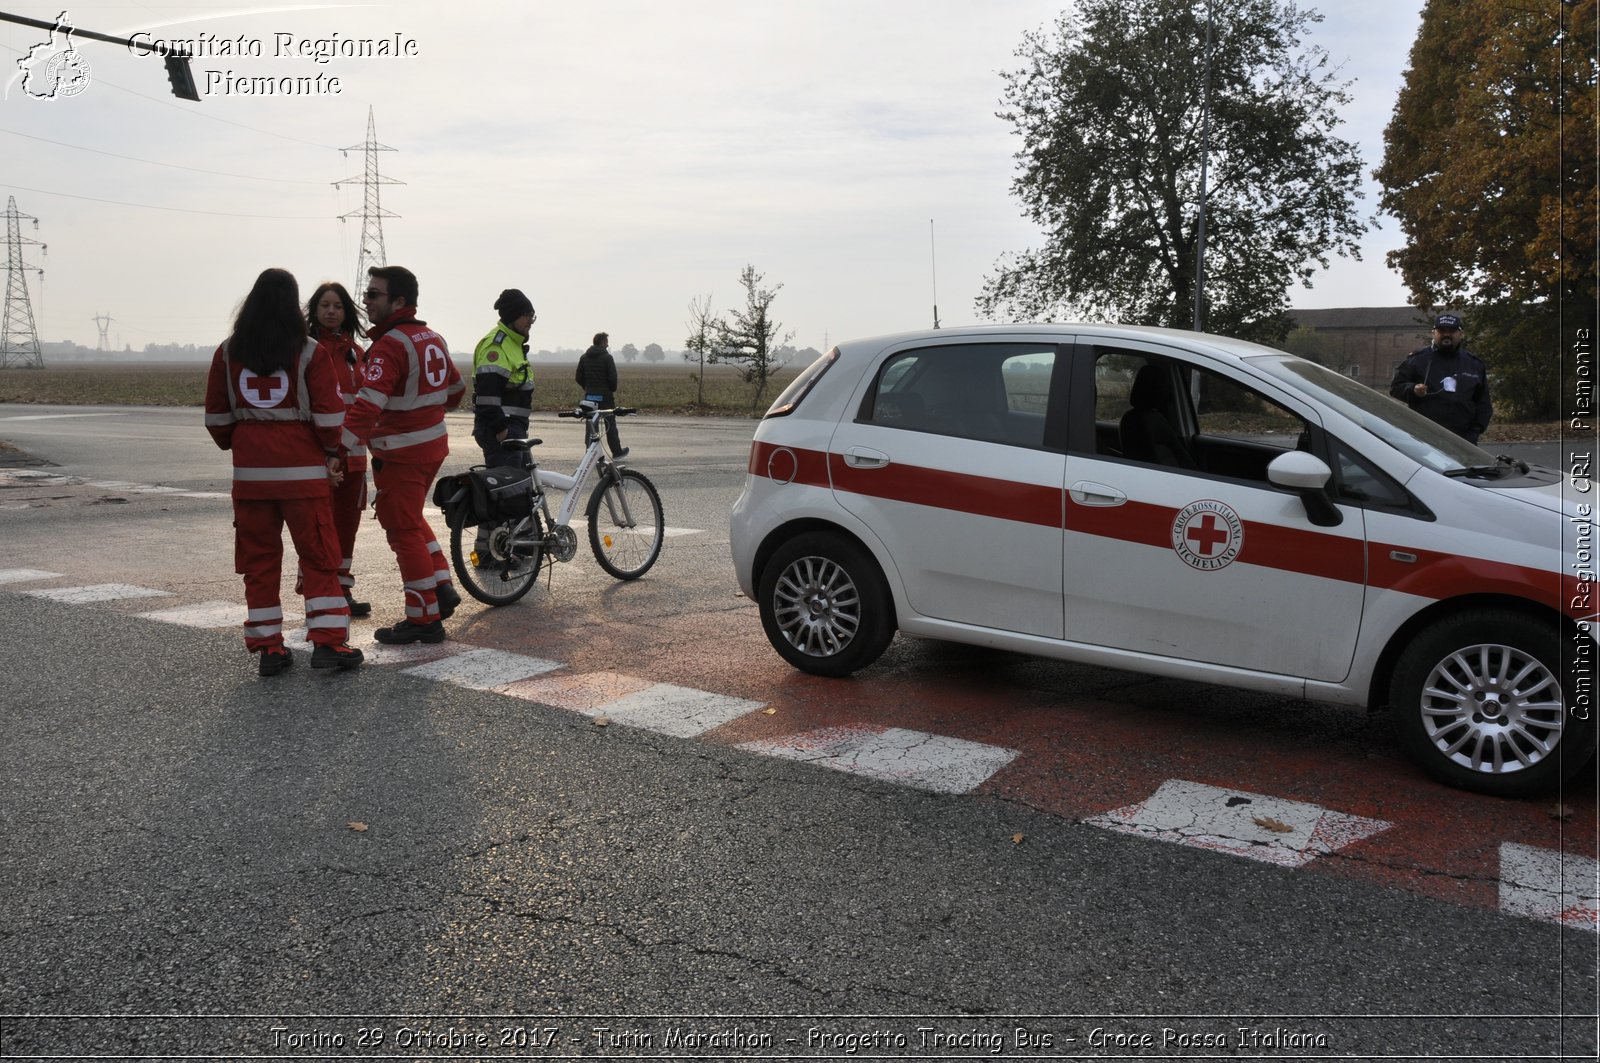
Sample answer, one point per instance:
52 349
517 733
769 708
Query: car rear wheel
824 605
1479 700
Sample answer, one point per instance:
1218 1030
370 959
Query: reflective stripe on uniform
407 439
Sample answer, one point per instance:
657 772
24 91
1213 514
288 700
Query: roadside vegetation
656 388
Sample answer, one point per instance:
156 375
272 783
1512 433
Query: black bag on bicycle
501 493
453 495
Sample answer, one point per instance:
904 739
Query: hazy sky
612 158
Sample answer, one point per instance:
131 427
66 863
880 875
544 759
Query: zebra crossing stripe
484 669
1550 885
99 592
26 575
909 758
1255 826
681 712
203 615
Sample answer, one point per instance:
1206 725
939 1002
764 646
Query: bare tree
702 327
749 338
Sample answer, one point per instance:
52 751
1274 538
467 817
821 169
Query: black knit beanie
512 304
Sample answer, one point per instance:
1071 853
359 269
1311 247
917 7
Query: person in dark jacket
1446 383
597 376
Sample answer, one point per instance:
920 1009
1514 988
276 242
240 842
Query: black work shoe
449 598
327 655
620 452
275 661
357 609
405 633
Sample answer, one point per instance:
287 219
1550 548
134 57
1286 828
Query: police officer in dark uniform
502 380
1446 383
502 389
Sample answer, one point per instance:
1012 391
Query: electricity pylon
372 213
104 321
19 340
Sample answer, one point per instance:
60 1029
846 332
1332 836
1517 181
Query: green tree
629 352
1490 167
750 337
653 353
1109 109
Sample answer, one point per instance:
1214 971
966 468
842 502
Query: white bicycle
502 532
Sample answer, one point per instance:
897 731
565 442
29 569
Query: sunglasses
373 293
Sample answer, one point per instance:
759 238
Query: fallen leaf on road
358 826
1016 839
602 721
1275 825
769 711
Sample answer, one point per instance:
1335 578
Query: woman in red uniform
331 317
272 398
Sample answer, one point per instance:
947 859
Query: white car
1185 505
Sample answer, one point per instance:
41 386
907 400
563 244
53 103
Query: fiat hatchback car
1185 505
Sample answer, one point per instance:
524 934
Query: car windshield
1389 419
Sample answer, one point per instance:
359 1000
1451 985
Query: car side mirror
1307 475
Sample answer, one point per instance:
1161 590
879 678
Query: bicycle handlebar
620 411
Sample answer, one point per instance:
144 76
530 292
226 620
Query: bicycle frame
574 484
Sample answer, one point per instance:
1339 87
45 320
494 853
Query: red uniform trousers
349 502
402 490
258 557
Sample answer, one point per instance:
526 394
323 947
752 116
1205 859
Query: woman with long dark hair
332 322
272 399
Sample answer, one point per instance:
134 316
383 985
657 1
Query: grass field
658 388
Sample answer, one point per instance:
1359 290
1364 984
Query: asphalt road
202 863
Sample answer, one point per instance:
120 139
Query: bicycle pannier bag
501 493
453 495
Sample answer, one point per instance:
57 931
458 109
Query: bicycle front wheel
625 524
498 563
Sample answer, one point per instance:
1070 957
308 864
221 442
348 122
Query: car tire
1478 700
825 605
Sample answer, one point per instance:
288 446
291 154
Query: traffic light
182 80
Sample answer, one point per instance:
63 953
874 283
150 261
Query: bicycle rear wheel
507 567
626 528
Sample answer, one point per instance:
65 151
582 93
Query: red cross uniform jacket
407 384
281 427
349 361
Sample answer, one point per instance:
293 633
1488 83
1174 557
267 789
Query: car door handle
1088 493
862 458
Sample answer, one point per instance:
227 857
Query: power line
153 162
175 210
372 252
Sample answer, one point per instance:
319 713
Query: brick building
1363 342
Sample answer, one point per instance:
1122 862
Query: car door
1176 544
944 459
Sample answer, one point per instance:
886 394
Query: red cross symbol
261 390
1206 537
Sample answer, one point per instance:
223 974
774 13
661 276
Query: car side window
1161 411
994 392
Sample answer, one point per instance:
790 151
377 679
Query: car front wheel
1479 700
824 605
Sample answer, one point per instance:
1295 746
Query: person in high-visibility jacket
272 400
408 383
502 380
502 389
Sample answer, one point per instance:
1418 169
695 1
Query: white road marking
681 712
1269 829
910 758
58 416
484 669
1550 885
99 592
203 615
24 575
